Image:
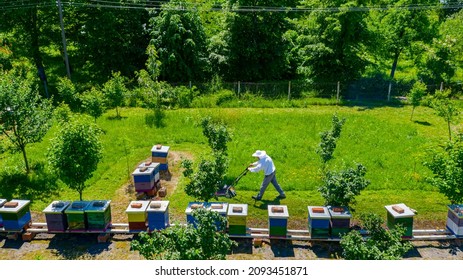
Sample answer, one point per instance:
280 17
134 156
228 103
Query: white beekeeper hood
260 154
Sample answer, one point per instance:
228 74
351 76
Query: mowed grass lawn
383 139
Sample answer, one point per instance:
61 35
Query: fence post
239 88
337 92
190 84
441 86
289 90
389 92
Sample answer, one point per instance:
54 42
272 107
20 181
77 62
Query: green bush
381 244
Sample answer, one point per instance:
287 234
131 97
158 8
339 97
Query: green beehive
98 215
236 215
76 217
400 214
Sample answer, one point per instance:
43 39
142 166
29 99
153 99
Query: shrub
381 244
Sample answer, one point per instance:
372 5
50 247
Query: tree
75 153
180 41
398 29
446 165
187 242
114 91
329 138
68 93
446 109
93 103
210 173
24 116
416 94
329 46
381 244
341 188
257 49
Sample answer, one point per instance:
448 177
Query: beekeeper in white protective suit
265 163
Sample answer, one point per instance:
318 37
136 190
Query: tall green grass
381 138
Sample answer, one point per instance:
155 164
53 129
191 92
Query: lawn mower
229 190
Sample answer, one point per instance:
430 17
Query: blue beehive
15 214
221 208
158 215
319 222
2 201
278 220
159 154
144 179
153 165
192 206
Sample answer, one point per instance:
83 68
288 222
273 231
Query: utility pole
63 36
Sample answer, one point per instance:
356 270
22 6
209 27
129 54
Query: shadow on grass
77 246
371 104
264 203
112 118
156 119
39 184
422 123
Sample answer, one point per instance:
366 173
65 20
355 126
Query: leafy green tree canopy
25 116
341 188
187 242
114 90
381 244
93 103
75 153
447 166
329 138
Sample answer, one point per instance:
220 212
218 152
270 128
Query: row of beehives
95 215
146 177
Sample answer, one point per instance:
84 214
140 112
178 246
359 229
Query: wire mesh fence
367 89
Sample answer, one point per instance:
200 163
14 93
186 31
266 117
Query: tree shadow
156 119
282 248
75 246
111 118
39 184
372 104
422 123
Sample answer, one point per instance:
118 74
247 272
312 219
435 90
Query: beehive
98 215
136 214
159 154
339 220
455 219
144 179
55 216
237 214
192 206
76 215
278 220
2 201
400 214
221 208
158 215
153 165
319 222
15 214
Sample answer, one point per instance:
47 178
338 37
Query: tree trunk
391 76
23 150
450 132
